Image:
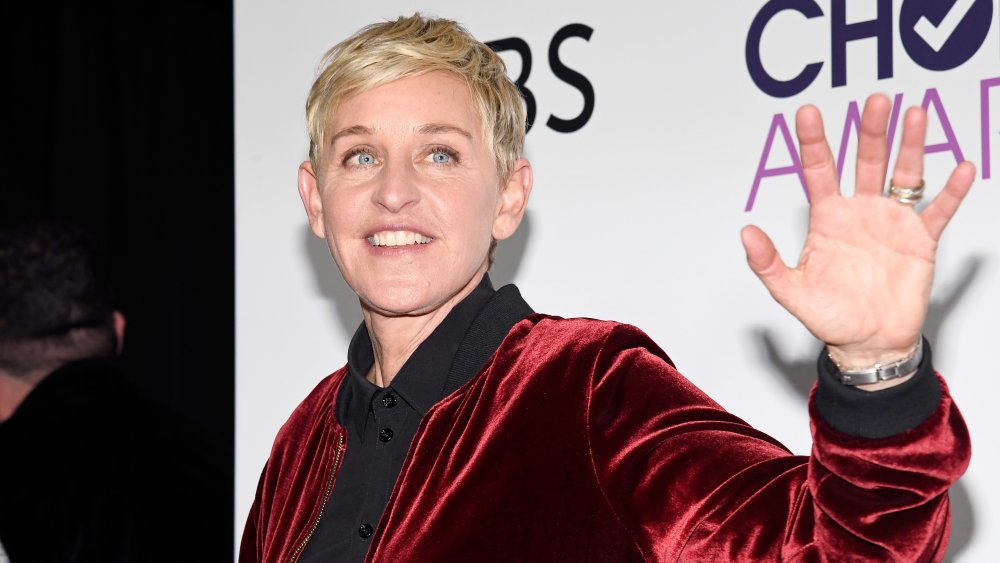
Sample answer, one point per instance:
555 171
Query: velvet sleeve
692 482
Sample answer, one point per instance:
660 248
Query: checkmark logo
944 34
937 35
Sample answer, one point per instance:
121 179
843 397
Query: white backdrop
635 216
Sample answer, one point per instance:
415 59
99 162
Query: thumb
764 260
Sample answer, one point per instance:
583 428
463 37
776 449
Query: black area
877 414
101 474
120 118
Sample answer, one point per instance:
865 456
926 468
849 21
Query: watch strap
881 372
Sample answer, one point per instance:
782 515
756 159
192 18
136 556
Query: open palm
862 283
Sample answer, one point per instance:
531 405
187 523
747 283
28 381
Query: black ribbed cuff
877 414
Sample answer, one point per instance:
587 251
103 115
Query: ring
907 196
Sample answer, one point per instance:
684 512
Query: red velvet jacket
579 441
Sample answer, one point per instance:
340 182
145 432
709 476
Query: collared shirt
381 423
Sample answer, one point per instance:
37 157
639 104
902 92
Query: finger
909 170
818 165
944 206
765 261
873 150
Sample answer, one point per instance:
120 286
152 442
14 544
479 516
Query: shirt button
366 530
385 434
389 400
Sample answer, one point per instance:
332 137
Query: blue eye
440 157
364 159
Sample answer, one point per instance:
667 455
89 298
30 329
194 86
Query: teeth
397 238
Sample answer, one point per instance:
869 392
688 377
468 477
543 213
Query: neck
14 389
395 338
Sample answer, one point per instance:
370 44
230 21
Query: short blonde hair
410 46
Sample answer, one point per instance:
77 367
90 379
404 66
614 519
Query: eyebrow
433 128
353 130
428 129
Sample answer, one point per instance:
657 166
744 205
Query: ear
513 200
119 322
311 198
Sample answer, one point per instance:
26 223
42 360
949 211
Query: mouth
390 239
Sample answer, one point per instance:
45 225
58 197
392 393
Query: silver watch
881 372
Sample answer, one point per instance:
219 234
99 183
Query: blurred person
467 427
90 470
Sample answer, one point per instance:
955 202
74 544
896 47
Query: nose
396 186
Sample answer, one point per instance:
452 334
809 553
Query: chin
397 295
412 297
397 304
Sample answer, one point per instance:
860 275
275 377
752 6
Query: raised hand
862 284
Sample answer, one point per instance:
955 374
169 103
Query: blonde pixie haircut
410 46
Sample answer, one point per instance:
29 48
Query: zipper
326 497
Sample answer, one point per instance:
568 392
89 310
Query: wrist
880 369
852 410
857 357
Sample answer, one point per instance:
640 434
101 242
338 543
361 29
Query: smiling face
407 194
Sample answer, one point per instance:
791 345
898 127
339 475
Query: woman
466 427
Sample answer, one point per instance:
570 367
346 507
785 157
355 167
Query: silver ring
907 195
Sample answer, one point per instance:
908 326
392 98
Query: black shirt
381 422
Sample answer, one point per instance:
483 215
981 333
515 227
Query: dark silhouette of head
55 299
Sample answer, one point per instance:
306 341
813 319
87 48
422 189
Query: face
407 194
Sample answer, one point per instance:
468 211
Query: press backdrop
658 131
